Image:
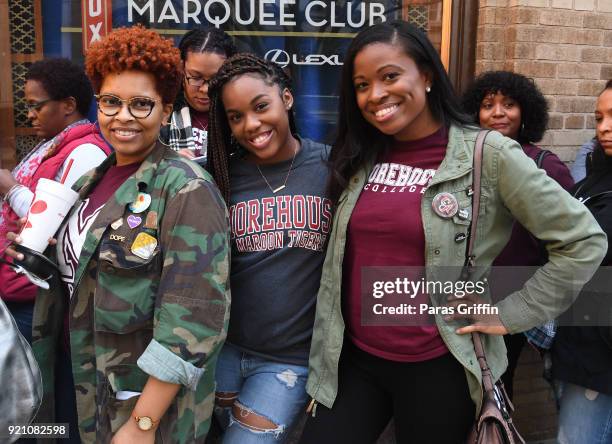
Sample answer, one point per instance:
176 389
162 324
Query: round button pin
445 205
142 202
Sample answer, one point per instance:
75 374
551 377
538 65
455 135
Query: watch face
145 423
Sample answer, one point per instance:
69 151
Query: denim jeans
22 313
585 416
270 389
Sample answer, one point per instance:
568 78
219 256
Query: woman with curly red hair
145 274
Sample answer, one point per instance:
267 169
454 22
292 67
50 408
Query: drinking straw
66 171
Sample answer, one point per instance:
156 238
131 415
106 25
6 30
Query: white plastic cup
52 202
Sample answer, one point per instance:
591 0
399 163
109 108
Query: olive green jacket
512 188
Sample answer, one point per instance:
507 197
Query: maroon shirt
523 249
386 229
199 128
72 235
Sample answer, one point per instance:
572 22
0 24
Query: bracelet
10 191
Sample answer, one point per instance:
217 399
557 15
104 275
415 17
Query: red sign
97 20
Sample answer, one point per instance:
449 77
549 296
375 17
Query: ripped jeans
585 416
272 391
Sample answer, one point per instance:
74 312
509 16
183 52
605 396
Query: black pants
514 345
429 401
65 397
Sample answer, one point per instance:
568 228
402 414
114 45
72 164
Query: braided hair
221 144
201 40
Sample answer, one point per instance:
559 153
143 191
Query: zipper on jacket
312 408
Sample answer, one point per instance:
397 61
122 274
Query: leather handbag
20 378
494 424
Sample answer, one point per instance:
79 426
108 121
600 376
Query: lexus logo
283 58
278 56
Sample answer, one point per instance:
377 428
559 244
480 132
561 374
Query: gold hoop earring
161 141
170 124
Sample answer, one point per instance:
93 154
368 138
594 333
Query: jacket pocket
123 377
117 260
126 290
126 377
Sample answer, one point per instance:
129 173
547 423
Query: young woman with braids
203 51
274 184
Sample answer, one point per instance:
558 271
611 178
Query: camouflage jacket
130 317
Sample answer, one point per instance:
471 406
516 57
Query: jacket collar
114 208
458 158
139 181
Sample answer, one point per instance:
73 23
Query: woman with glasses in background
203 51
143 256
58 96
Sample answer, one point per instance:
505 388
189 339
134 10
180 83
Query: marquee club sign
97 20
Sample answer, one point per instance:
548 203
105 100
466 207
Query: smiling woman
274 182
398 113
146 270
131 122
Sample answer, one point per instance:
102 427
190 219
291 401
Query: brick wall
535 412
564 45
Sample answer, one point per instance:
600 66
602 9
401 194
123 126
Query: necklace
276 190
204 127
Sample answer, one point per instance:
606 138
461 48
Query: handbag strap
487 379
476 176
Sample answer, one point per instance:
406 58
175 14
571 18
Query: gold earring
169 123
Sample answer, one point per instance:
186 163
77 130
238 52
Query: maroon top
386 229
199 127
523 249
72 235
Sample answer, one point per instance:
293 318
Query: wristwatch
145 423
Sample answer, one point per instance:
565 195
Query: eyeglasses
138 107
36 106
197 81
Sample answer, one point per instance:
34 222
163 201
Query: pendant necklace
204 127
204 142
276 190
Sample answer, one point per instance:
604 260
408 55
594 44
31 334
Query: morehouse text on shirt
278 242
299 221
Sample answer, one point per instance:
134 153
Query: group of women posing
145 253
